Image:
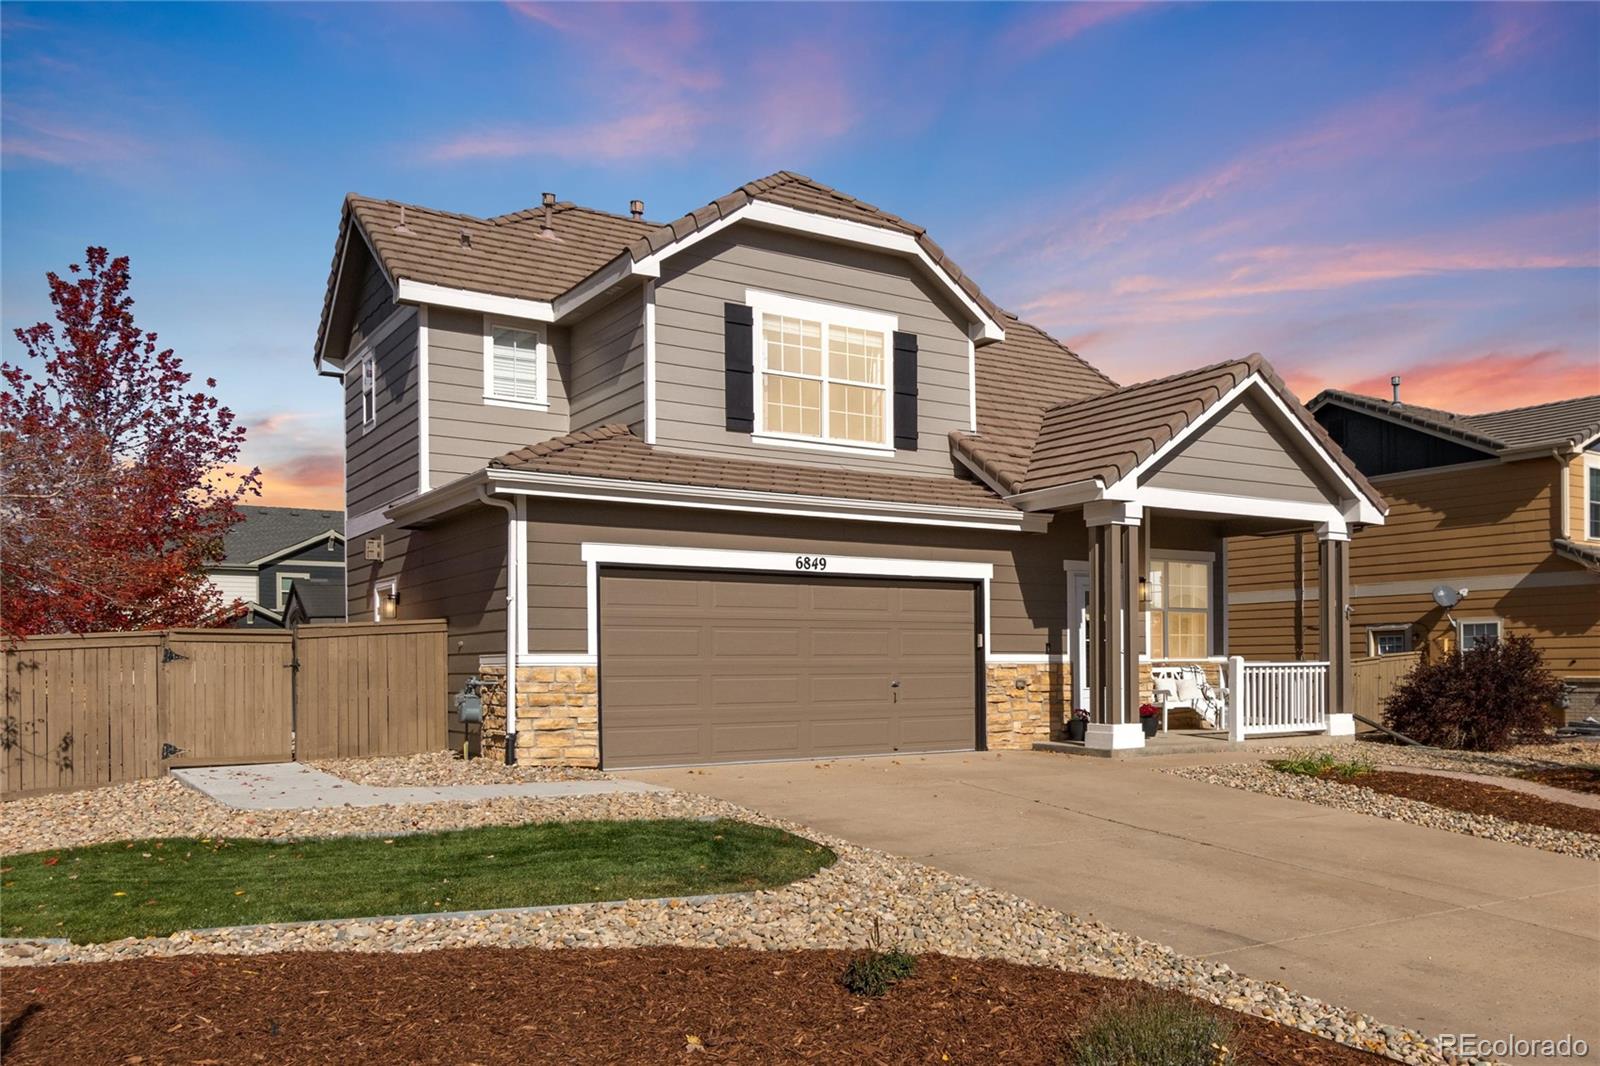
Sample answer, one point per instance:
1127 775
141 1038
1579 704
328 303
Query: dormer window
824 373
513 365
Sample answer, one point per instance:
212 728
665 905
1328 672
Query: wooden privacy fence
1376 676
101 708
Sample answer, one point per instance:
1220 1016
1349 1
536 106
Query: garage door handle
894 684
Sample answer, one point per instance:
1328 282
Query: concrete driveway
1444 932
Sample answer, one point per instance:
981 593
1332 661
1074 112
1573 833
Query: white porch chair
1185 687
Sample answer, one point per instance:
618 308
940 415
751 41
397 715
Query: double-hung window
369 392
1591 528
824 372
1178 597
513 364
1477 633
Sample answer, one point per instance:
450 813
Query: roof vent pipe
1394 383
636 208
549 201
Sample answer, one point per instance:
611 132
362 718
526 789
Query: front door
1078 590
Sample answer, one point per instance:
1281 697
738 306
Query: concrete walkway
1445 932
291 786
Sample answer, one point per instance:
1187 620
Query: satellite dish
1447 597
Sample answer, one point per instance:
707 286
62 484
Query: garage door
700 667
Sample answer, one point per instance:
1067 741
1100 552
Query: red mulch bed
1476 798
1571 778
492 1005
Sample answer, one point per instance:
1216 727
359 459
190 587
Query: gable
359 297
1379 446
1242 452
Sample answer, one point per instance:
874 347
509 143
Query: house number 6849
810 562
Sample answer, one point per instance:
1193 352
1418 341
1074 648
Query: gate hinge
168 655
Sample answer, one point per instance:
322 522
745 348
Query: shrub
1153 1029
1475 701
1323 764
874 972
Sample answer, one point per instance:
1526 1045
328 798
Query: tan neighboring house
777 479
1501 510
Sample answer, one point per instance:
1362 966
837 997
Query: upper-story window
513 365
369 392
1592 517
824 373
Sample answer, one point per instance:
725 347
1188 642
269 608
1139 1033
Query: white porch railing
1276 698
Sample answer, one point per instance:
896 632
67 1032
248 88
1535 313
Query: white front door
1078 590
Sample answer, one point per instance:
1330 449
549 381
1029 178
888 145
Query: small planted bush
1480 700
875 971
1323 764
1153 1029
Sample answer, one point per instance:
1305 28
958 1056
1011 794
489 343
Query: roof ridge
1254 361
565 442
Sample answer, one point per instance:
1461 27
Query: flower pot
1077 729
1151 724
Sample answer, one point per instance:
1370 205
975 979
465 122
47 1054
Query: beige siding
697 283
1242 453
455 570
608 365
464 432
1486 528
381 461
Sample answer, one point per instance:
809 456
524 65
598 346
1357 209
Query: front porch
1191 742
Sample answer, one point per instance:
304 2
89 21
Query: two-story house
1496 513
285 565
778 480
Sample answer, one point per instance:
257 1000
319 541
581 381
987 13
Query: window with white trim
369 391
824 372
1477 632
513 364
1388 640
284 581
1591 513
385 599
1178 601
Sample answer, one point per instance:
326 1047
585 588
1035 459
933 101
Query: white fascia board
419 507
424 459
1215 503
420 292
338 276
572 486
308 542
600 283
1364 511
1059 496
985 329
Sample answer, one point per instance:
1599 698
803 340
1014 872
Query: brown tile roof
1018 379
1109 435
802 193
1561 423
613 452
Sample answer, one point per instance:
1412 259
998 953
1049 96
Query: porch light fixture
391 599
1144 594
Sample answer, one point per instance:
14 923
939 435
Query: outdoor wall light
391 599
1144 594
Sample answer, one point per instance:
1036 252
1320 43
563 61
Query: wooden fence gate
1375 677
102 708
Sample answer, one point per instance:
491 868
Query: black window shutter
905 392
738 364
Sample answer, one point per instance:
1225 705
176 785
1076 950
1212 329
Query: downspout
513 607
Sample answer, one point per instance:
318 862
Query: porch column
1116 634
1333 618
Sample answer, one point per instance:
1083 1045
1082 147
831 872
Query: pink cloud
661 42
42 137
666 130
1044 26
1468 384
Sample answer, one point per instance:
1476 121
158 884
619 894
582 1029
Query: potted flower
1078 725
1150 718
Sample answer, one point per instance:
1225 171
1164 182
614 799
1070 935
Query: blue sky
1353 190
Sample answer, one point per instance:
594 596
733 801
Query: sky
1353 190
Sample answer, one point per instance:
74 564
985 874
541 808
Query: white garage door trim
597 554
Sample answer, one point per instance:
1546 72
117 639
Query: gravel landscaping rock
1509 762
919 908
448 768
1259 777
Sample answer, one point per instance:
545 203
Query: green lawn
154 887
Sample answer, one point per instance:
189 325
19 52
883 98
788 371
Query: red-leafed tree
115 483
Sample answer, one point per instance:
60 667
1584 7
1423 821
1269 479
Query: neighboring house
1503 506
274 549
778 480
